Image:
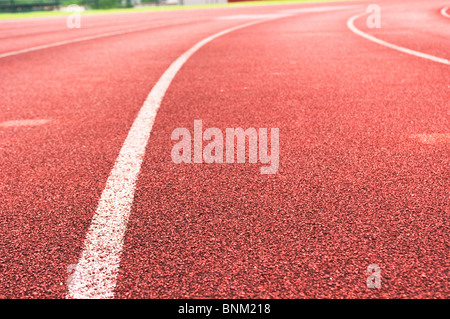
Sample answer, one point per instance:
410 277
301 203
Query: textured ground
364 153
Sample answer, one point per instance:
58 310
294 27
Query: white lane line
60 43
97 269
433 138
318 9
444 11
16 123
351 26
96 272
253 16
262 16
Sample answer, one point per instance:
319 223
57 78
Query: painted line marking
93 37
318 9
253 16
444 11
433 138
17 123
96 272
97 269
60 43
351 26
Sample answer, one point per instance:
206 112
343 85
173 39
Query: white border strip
444 11
351 26
96 272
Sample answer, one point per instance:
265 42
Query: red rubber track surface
354 188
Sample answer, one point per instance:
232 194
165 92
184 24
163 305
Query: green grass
37 14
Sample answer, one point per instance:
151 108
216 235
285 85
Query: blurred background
45 5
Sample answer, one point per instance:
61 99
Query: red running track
363 179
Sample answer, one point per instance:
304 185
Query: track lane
49 203
416 26
22 34
52 175
353 188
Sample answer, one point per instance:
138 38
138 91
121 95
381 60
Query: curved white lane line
97 269
444 11
351 26
96 273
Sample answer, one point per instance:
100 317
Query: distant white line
444 11
433 138
60 43
318 9
96 272
351 26
253 16
16 123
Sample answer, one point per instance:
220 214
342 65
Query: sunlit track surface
363 155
